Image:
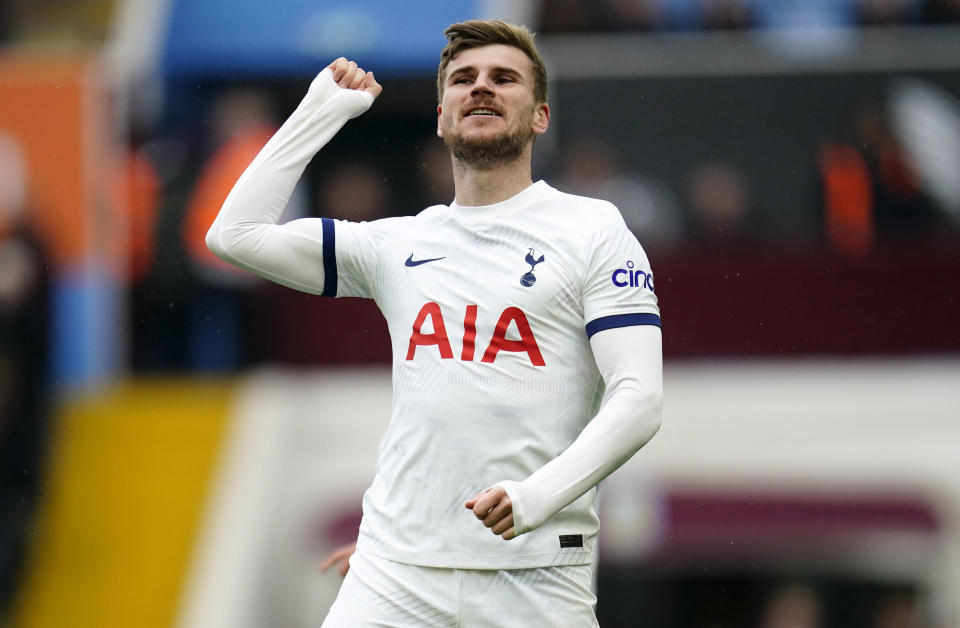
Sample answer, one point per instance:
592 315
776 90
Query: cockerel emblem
528 278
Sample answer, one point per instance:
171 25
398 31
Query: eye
504 79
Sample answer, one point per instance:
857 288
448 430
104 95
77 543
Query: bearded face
488 116
487 151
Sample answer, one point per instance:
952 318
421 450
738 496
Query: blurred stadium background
180 444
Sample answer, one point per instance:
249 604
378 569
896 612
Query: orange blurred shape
55 107
138 194
217 179
848 199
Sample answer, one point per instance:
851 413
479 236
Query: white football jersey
490 310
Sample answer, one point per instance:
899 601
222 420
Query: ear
439 125
541 118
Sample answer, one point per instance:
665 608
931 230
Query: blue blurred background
181 443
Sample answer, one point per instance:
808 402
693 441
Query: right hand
339 557
495 510
347 75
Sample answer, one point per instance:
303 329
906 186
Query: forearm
245 232
627 420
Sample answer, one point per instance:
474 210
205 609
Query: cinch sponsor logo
623 277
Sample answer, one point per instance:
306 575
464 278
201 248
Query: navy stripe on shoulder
329 259
621 320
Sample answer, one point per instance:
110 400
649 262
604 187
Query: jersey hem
481 562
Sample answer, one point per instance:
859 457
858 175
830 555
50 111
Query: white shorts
381 592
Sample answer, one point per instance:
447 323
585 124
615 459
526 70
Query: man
509 310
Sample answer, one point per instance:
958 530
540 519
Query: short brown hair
477 33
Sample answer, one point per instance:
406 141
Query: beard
485 153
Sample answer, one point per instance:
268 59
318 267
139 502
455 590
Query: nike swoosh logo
411 262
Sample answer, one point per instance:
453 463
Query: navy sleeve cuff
329 259
621 320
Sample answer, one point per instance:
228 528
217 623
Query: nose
482 85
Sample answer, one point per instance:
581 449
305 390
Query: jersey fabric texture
490 310
381 592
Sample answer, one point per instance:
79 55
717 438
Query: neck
476 187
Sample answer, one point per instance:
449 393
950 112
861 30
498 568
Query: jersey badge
528 278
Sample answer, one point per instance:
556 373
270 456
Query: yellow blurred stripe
127 481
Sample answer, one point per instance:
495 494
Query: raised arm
245 232
630 361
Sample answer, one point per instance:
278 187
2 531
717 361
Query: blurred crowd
758 602
24 352
190 310
802 605
568 16
90 18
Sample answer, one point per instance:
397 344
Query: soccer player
526 347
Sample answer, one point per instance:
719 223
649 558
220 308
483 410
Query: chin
481 138
488 150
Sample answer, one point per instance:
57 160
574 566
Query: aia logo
499 342
528 278
623 277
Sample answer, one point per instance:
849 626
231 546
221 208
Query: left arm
630 361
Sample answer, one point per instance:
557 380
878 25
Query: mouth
482 112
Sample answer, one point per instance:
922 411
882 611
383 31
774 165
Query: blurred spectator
726 14
792 606
159 271
898 610
642 15
720 201
241 124
847 199
940 11
591 168
566 16
436 176
10 15
23 365
139 195
887 12
926 121
869 186
354 191
637 15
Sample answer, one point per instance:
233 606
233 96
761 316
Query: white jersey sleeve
352 261
629 358
618 288
246 233
618 295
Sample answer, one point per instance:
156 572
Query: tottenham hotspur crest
529 278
